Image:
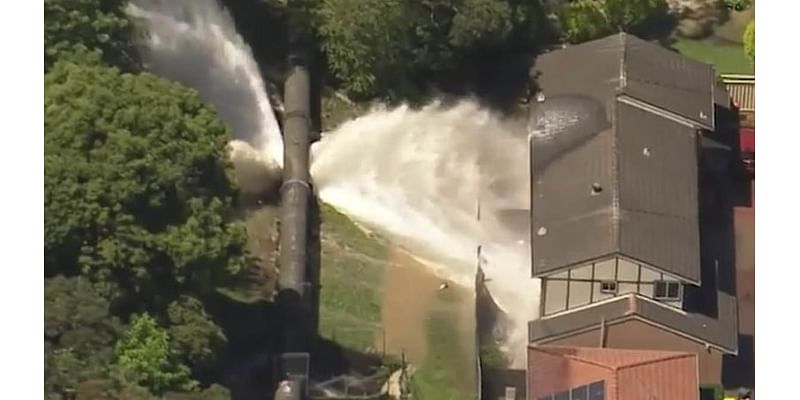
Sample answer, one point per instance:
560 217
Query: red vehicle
747 143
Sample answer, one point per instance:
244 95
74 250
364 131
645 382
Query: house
590 373
616 237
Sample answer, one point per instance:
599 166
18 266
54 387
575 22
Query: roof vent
646 152
542 231
540 97
596 189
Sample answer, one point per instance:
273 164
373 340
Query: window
592 391
562 396
597 390
667 290
609 287
580 393
511 393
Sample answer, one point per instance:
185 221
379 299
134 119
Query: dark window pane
660 290
561 396
672 293
597 391
608 287
580 393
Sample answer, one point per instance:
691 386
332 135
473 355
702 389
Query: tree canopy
583 20
375 46
80 25
138 188
139 200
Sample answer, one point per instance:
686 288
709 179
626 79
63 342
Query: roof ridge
654 360
623 76
615 200
575 357
615 187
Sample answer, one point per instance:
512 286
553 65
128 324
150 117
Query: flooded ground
433 327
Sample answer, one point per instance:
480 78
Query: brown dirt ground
410 294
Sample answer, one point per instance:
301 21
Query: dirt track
410 294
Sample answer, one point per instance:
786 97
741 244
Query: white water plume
195 43
417 176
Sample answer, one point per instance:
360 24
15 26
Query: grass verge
449 368
353 265
727 57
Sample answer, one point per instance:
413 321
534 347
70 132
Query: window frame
667 284
609 282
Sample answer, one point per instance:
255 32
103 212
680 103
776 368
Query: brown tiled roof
633 374
720 332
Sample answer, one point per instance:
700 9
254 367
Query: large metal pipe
295 196
293 297
295 191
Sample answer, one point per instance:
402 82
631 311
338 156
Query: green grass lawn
727 57
448 372
353 265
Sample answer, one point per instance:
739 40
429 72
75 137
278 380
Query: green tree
145 356
366 42
379 47
194 336
138 186
583 20
78 25
480 21
79 334
749 40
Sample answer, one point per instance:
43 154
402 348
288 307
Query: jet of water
195 43
419 176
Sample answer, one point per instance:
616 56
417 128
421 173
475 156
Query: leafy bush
144 355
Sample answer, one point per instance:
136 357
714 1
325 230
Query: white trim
585 306
625 99
661 304
637 317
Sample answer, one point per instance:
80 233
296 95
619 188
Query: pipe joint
290 182
296 114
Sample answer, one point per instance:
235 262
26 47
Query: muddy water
411 293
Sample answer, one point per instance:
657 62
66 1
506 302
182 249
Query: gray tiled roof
720 332
624 64
647 209
646 163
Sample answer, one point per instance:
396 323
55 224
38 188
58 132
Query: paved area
740 371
